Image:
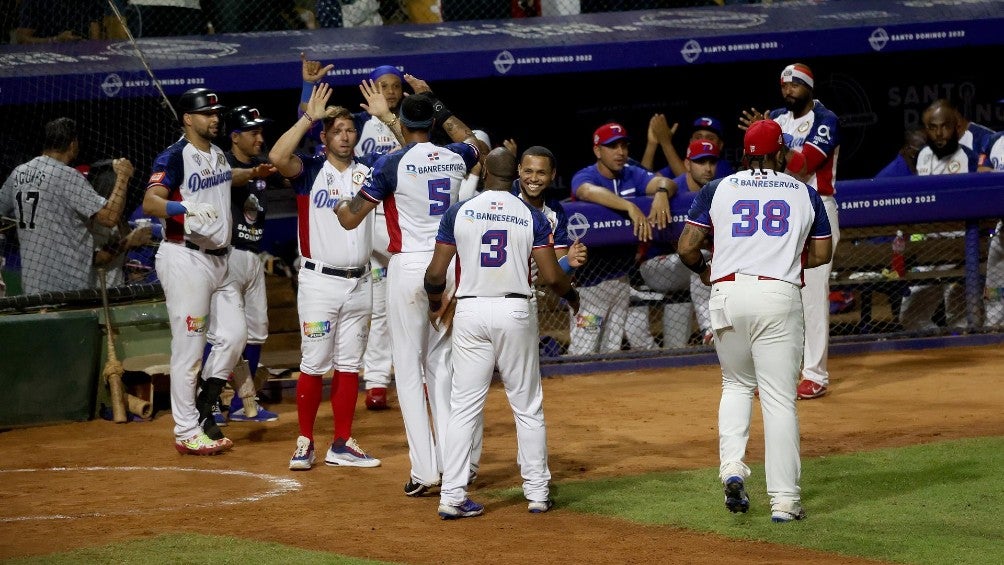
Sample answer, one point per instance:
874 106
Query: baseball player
238 320
493 236
53 205
813 141
705 128
665 273
190 186
417 184
762 220
335 297
378 134
613 182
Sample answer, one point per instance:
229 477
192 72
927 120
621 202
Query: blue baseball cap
385 70
708 123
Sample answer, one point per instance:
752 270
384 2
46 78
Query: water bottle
898 259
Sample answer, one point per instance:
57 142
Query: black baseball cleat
414 488
735 495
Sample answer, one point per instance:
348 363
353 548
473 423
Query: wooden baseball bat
113 369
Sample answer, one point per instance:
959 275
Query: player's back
761 221
495 233
417 185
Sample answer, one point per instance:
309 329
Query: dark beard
950 147
795 105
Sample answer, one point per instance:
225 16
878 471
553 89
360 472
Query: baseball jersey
816 131
318 187
992 154
761 221
611 261
374 135
494 233
975 137
192 175
249 205
417 184
53 204
962 161
898 167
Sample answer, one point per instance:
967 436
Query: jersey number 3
775 218
496 241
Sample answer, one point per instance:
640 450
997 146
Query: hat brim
700 156
208 109
613 139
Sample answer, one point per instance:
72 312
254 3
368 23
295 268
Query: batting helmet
243 118
199 100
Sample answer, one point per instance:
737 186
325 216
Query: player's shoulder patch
157 177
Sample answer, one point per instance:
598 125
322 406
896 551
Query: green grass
930 504
188 549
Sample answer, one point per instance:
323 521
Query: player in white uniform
190 187
417 184
762 220
813 140
334 298
991 160
493 236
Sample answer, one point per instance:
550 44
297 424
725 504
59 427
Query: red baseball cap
701 149
609 133
763 138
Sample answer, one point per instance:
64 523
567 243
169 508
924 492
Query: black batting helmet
198 101
243 118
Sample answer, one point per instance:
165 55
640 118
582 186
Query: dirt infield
99 482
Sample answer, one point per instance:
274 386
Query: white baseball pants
816 301
238 313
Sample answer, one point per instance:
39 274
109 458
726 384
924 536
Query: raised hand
417 84
750 116
312 71
318 102
376 102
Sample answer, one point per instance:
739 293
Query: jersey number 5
496 241
775 218
439 196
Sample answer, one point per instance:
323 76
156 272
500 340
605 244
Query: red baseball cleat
376 399
808 389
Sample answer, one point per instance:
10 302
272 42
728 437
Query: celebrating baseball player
334 298
813 140
762 221
417 184
190 186
238 320
493 236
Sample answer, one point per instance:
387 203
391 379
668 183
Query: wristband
698 267
175 208
662 189
434 288
440 112
563 263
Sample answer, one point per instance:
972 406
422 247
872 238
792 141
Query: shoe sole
418 489
811 396
540 509
447 515
203 451
788 517
364 463
253 420
735 499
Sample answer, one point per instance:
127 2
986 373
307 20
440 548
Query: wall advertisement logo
691 51
503 62
878 39
176 49
111 85
693 19
578 226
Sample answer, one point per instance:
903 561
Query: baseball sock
252 352
308 400
343 403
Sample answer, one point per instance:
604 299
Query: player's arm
820 252
588 192
435 281
689 249
110 214
551 274
661 189
663 135
283 155
243 176
351 213
452 125
819 144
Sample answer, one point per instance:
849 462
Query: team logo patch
804 127
495 206
316 329
954 167
196 324
588 321
434 156
157 177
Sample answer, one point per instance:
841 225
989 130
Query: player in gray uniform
54 205
763 221
238 321
494 236
189 186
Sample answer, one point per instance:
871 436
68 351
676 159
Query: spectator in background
423 11
614 183
238 16
57 22
666 273
943 155
54 206
660 135
905 163
341 13
164 18
812 136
